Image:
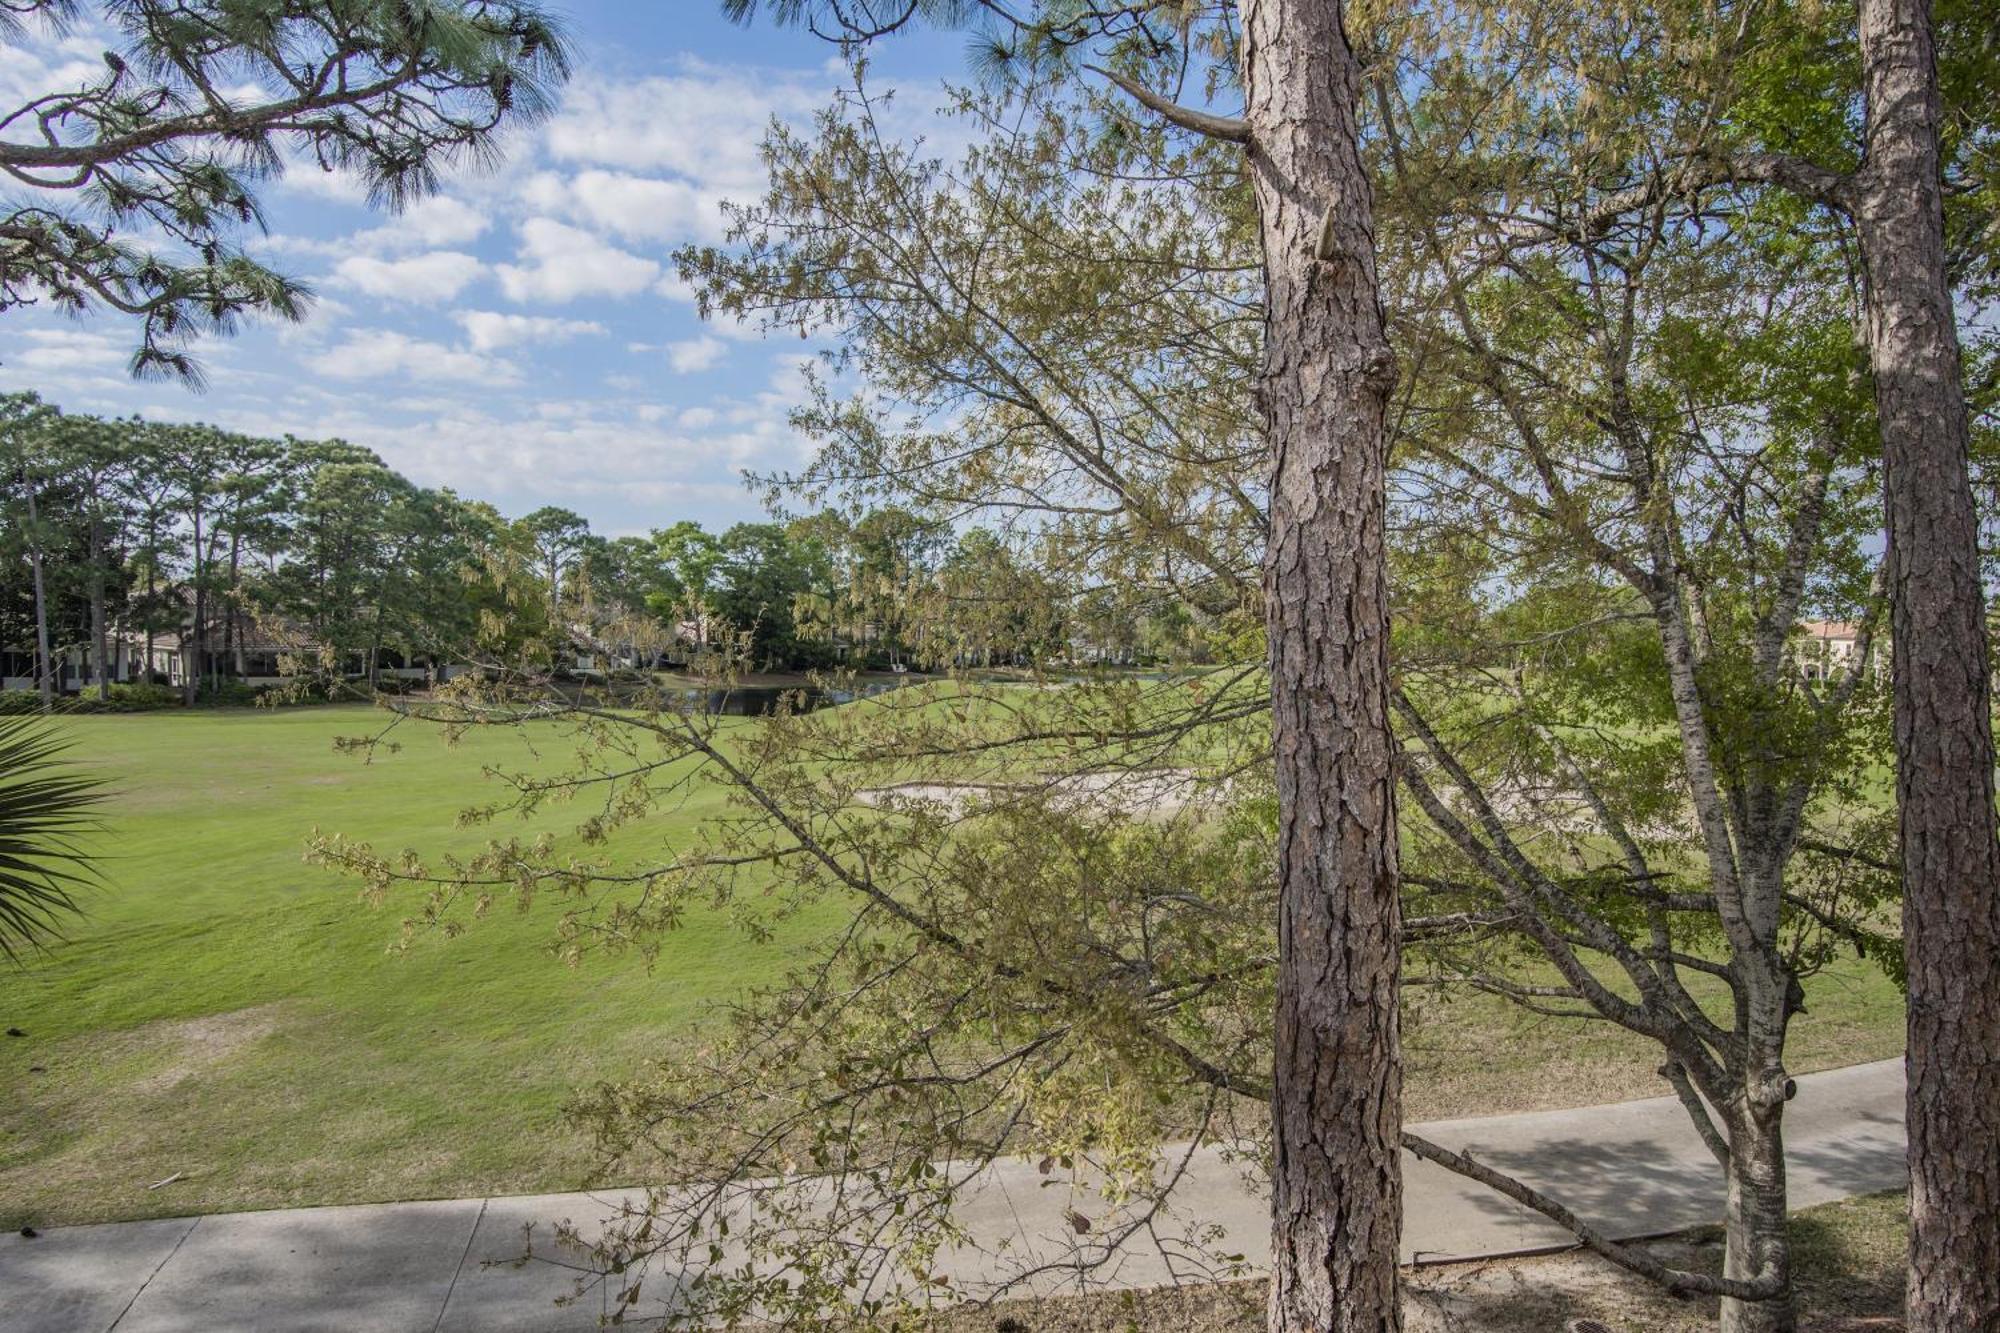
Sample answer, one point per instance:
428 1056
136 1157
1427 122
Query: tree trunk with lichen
1337 1080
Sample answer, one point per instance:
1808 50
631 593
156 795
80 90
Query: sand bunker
1146 792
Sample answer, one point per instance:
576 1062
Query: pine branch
1206 123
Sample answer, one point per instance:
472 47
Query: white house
74 668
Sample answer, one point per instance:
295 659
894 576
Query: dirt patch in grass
202 1043
99 1116
1850 1276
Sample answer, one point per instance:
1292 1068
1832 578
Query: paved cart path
1634 1169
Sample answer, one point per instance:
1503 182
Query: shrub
141 698
134 698
813 657
228 694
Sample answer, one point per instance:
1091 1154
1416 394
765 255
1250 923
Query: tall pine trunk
152 596
100 639
1944 732
194 666
232 633
44 666
1327 374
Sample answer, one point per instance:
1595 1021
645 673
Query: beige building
1828 648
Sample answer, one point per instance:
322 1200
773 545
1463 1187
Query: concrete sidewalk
1634 1169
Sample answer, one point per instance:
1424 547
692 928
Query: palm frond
46 809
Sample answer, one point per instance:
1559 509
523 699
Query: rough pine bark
1327 374
1943 720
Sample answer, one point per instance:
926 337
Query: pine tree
127 192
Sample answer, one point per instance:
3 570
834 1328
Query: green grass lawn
234 1016
1467 1054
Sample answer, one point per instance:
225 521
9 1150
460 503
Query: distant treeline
187 555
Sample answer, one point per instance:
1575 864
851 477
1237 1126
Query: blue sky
521 337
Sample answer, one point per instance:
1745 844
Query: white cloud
561 263
621 457
489 330
438 275
43 63
606 456
384 354
634 208
792 380
694 355
339 185
704 123
409 352
675 288
71 350
429 224
323 317
439 220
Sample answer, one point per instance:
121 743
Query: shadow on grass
1850 1262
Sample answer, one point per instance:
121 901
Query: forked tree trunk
1944 731
1337 1076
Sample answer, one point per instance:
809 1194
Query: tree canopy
129 191
1633 454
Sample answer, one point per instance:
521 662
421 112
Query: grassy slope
335 1071
232 1014
1470 1055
